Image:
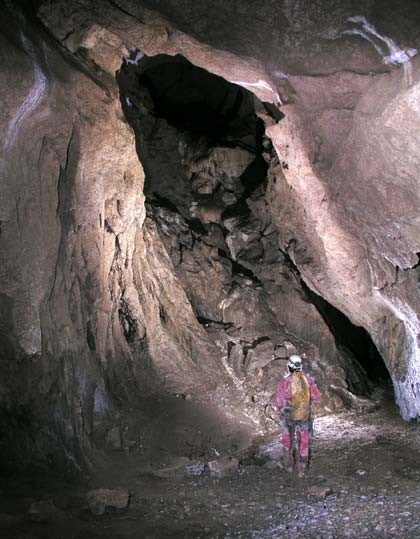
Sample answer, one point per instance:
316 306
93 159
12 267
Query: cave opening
189 98
202 143
354 338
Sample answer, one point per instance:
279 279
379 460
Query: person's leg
287 442
286 439
303 437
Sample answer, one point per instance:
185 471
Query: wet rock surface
333 501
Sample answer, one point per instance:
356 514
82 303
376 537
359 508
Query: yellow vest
301 397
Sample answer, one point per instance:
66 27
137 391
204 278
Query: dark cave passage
354 338
190 99
368 370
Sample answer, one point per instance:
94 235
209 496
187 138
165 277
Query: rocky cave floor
364 482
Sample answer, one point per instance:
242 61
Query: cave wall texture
123 279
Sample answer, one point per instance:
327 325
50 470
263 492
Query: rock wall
206 190
351 223
64 245
86 322
344 197
101 305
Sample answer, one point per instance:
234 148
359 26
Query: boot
303 466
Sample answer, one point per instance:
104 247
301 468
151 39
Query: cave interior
159 269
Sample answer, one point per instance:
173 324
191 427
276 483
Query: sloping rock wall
85 323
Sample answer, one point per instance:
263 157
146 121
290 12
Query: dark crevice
347 335
273 111
239 269
197 227
354 338
127 321
258 341
240 210
162 314
120 8
254 176
162 202
207 322
90 337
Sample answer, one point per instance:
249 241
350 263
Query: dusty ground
366 466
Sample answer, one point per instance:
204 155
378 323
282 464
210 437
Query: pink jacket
284 391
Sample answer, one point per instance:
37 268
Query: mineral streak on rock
396 54
35 96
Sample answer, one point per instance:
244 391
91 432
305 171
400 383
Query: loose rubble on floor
363 483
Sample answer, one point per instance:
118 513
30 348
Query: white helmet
294 363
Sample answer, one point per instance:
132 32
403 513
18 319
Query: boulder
319 491
223 467
176 466
113 438
42 511
105 500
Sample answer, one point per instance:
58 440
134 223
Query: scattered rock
113 439
104 500
272 465
42 511
176 466
319 491
223 467
7 519
272 451
195 469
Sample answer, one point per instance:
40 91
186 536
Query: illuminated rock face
206 159
101 303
